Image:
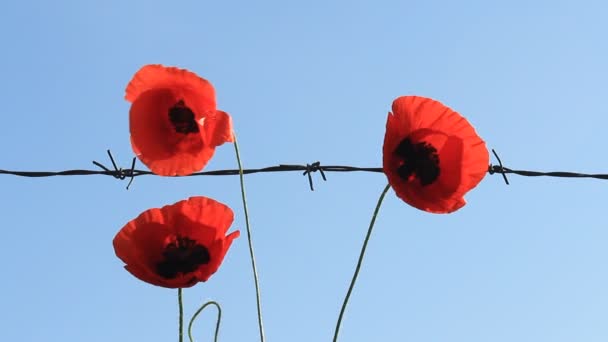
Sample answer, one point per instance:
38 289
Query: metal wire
307 169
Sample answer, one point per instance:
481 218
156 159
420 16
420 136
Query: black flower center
420 160
182 256
182 118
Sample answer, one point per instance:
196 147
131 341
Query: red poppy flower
178 245
431 155
173 120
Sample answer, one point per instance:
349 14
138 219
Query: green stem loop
217 325
361 255
253 265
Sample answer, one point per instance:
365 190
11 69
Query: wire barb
314 167
119 173
131 172
498 168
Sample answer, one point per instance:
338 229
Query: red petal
139 244
156 76
217 251
218 129
207 212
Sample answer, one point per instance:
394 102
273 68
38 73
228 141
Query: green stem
181 315
352 282
217 325
255 272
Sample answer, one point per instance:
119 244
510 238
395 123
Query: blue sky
304 82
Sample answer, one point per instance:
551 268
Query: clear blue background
307 81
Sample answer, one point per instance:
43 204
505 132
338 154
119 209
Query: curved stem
181 315
352 282
253 266
217 325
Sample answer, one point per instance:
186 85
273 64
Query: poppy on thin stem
432 156
174 123
178 245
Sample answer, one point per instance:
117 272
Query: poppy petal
417 112
144 274
206 212
130 243
218 129
218 252
142 240
157 76
147 122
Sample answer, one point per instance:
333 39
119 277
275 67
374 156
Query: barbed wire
308 170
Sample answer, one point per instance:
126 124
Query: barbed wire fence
308 170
